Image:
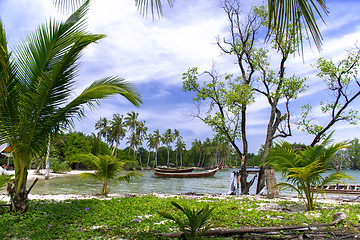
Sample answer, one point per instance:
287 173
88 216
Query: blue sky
154 54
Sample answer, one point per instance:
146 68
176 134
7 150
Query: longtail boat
339 189
174 170
196 174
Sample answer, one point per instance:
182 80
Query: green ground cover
136 217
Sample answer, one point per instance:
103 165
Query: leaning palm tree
36 87
107 169
304 170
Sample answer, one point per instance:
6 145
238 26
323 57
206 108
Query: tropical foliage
36 86
305 170
107 169
195 223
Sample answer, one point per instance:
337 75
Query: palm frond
4 179
287 15
154 6
98 90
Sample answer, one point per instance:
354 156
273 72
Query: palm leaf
286 16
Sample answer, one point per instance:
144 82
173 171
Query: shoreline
345 199
41 176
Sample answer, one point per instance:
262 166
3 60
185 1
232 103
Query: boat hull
339 189
208 173
174 170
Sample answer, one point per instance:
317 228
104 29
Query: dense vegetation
207 153
104 219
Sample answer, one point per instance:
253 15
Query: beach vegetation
37 82
303 170
107 170
195 223
135 217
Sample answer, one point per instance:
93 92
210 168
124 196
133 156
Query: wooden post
270 179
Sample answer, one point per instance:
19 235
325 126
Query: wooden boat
196 174
173 170
340 189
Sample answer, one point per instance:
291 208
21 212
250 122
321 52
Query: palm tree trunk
148 160
47 162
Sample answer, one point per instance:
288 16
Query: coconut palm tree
103 126
157 139
117 131
197 145
107 169
36 84
304 170
131 121
141 132
180 146
175 137
167 139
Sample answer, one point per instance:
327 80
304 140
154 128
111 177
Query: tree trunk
243 176
19 200
47 162
273 191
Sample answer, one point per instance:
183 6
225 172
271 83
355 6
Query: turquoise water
218 184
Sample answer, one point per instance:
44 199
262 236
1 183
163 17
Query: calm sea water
218 184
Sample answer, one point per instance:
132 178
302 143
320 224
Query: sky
153 55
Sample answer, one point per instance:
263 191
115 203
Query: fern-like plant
195 223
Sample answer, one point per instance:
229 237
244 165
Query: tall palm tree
141 132
36 84
304 170
117 131
175 137
198 147
103 126
150 145
131 121
180 146
167 139
157 139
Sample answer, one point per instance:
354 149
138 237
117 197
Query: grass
135 217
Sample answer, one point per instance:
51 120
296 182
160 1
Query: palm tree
175 137
107 170
157 139
141 135
36 84
150 145
167 139
131 121
180 146
304 170
198 147
117 131
103 126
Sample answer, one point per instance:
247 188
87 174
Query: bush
58 166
